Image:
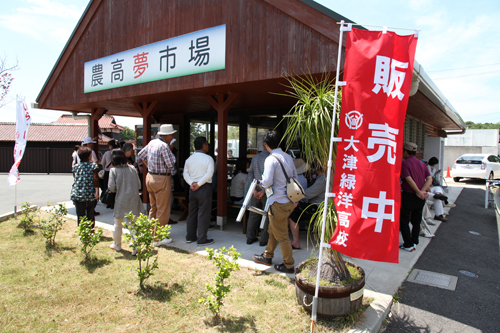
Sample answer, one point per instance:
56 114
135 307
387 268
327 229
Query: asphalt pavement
38 189
466 247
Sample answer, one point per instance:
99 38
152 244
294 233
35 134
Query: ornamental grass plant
52 292
309 126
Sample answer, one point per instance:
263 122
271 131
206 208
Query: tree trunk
333 268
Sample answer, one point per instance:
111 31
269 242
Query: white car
476 166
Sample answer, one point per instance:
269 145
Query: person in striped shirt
159 160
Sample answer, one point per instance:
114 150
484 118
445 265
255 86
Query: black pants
85 209
304 211
200 204
254 220
411 211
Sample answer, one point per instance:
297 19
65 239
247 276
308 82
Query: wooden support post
222 105
96 114
146 109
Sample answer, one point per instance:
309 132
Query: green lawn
51 290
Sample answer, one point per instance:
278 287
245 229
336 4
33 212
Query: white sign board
198 52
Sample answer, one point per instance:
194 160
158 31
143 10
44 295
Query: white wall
434 147
475 138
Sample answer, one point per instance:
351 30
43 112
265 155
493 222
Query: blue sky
459 46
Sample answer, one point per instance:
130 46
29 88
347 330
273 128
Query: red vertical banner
378 73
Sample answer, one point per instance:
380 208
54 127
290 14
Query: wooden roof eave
73 40
307 15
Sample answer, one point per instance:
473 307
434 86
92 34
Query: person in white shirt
198 171
237 190
436 192
280 207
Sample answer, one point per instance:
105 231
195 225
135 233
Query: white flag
23 121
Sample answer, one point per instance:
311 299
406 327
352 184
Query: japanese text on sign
198 52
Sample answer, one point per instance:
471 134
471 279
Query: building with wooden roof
199 64
50 145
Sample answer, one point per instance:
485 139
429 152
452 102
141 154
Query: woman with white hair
124 181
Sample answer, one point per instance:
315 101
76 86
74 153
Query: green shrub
50 226
29 215
226 265
141 235
88 236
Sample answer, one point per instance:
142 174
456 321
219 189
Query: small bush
141 235
53 224
88 237
226 265
28 217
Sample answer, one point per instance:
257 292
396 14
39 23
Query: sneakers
261 259
211 226
284 269
115 247
207 242
409 249
189 241
163 242
451 205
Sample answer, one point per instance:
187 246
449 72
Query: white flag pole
15 185
15 200
328 194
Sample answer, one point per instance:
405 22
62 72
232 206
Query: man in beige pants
158 158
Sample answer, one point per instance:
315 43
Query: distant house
50 145
107 125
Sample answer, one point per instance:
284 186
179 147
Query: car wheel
456 179
491 176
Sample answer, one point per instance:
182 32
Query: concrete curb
6 216
10 215
375 314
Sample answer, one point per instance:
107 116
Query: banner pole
328 193
15 200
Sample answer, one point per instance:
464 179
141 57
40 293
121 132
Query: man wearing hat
415 180
159 160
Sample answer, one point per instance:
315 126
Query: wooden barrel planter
333 301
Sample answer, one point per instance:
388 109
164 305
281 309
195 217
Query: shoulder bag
294 190
108 198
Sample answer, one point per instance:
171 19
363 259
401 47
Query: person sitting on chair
237 190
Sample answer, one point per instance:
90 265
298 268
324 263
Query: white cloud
44 20
52 8
418 4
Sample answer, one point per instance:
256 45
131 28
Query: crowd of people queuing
119 171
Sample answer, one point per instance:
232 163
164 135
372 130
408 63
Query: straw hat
300 165
166 129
